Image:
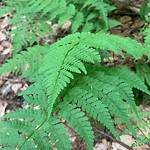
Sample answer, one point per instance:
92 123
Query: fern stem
50 107
33 133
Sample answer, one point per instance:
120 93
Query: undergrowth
69 83
30 17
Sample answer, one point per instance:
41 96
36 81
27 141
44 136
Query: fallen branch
112 138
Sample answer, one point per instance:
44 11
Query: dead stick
115 140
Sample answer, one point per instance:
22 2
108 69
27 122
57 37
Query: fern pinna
68 83
30 18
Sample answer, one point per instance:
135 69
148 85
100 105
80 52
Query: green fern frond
65 57
10 139
94 88
35 94
78 21
113 23
141 126
67 54
104 41
58 137
92 105
147 36
28 61
78 122
68 14
143 71
30 18
101 88
120 85
128 76
66 82
33 131
114 43
57 74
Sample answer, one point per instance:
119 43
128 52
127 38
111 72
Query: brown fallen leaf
127 139
1 48
4 23
6 44
2 36
144 147
66 25
100 146
16 87
6 89
3 106
7 51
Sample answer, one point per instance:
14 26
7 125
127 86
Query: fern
84 41
34 133
141 126
78 121
65 57
68 83
25 60
30 18
143 71
107 93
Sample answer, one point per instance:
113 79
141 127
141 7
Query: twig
112 138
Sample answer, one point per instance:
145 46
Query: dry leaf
100 146
16 87
1 47
3 106
5 90
2 36
127 139
24 87
7 51
4 23
6 44
1 83
66 25
144 147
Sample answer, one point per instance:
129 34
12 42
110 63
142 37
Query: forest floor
11 85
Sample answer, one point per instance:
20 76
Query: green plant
142 67
69 84
144 10
142 127
30 17
141 124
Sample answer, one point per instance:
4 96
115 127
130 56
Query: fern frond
141 126
67 55
78 21
30 18
10 139
78 122
128 76
65 60
120 85
92 105
104 41
35 94
143 71
34 131
26 28
28 61
95 89
114 43
113 23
